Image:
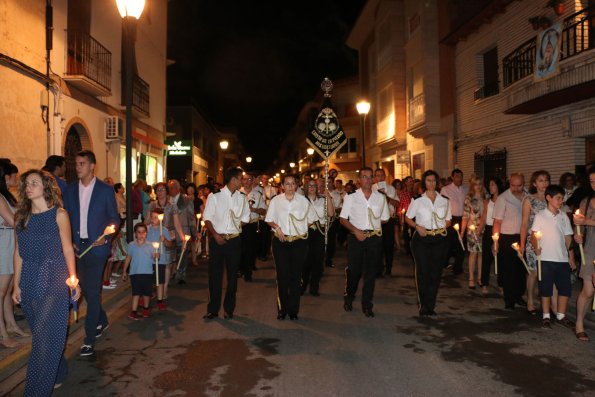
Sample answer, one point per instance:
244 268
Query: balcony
88 64
140 97
576 80
487 90
417 110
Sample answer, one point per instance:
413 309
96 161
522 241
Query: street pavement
473 347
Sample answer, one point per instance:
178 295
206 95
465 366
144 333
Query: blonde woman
43 264
472 211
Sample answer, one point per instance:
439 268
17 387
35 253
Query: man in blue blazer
91 205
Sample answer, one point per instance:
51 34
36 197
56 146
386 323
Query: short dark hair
380 169
455 171
366 168
427 174
233 172
89 155
295 179
498 182
552 190
117 187
139 225
157 211
53 162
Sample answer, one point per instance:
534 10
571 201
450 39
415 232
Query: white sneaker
111 286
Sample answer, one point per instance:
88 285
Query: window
350 146
488 74
384 39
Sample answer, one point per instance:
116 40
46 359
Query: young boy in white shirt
556 236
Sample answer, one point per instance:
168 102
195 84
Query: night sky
251 65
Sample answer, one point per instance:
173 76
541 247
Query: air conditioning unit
114 129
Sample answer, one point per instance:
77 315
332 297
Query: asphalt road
473 347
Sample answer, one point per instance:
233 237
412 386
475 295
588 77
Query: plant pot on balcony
559 9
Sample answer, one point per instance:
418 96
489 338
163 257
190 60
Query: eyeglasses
366 177
161 189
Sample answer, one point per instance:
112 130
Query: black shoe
424 312
293 317
457 272
100 330
368 312
87 350
379 275
247 278
281 316
509 306
545 323
330 265
347 306
566 323
388 274
181 282
521 302
432 313
210 316
228 315
314 293
532 312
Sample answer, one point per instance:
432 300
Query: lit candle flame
515 246
111 229
198 216
73 280
472 228
538 235
186 237
495 236
202 223
577 212
403 211
456 226
160 217
156 245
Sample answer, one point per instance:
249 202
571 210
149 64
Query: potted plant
544 22
557 5
534 21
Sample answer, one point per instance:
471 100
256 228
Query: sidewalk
13 362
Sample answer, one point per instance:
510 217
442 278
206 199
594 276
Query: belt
313 227
229 236
436 232
372 233
5 228
254 221
84 240
291 239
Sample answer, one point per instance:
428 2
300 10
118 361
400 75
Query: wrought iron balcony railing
140 96
87 59
487 90
519 63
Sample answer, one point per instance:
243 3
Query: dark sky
251 65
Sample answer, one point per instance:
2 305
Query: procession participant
287 215
312 271
249 234
56 165
91 205
166 243
495 187
44 265
388 228
532 204
269 192
342 233
429 216
405 197
473 209
507 223
363 214
586 220
184 224
456 193
335 196
224 215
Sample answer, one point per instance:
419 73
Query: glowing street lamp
224 144
292 164
363 107
130 10
310 151
248 159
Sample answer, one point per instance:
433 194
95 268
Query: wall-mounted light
224 144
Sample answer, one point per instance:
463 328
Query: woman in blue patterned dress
532 204
43 263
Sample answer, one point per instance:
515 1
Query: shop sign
179 148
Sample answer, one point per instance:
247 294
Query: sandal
9 343
18 332
582 336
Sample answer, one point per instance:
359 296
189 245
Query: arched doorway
76 140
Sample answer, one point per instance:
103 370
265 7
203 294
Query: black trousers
223 256
455 246
429 254
313 266
487 258
363 261
388 246
407 232
331 244
264 240
249 248
513 271
289 261
342 234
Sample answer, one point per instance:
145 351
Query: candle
198 216
580 246
73 282
472 229
538 238
402 216
515 246
495 238
186 238
156 247
111 229
456 227
160 216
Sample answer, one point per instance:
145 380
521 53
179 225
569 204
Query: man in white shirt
456 193
363 214
249 237
507 224
225 213
388 228
269 192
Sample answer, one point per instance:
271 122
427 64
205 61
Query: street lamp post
363 107
310 152
130 10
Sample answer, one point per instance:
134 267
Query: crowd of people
61 241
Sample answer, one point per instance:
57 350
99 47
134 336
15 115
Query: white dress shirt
227 211
337 199
365 214
292 216
430 215
390 192
508 209
85 193
554 228
456 195
256 198
317 211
